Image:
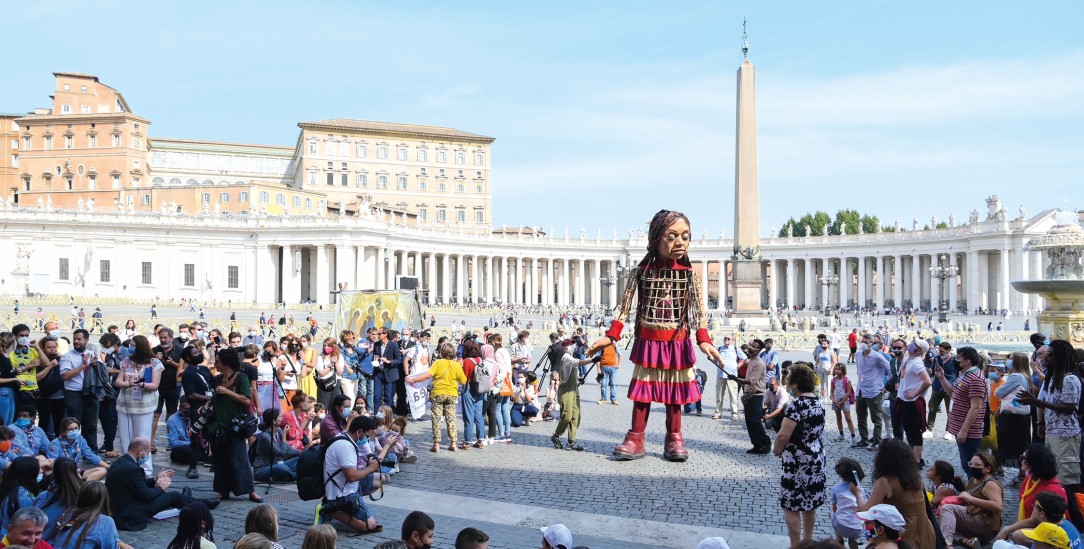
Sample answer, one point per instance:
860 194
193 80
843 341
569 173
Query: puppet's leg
633 446
675 443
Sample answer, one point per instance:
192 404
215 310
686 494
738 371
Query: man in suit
135 498
386 368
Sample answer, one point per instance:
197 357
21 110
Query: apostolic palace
93 204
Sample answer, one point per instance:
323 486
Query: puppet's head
668 237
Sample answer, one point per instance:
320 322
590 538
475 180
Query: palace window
205 198
363 151
401 183
479 159
92 141
233 277
402 153
312 146
363 180
116 181
297 201
330 177
92 182
147 272
382 152
460 157
69 142
460 216
62 272
423 155
479 216
104 273
48 142
145 200
280 199
189 274
344 179
308 203
382 181
242 196
329 148
442 214
421 214
265 197
344 149
26 143
442 157
116 141
224 198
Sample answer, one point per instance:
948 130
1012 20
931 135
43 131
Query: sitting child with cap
556 537
884 525
1044 536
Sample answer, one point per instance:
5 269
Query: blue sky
606 111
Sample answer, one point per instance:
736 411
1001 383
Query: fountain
1063 281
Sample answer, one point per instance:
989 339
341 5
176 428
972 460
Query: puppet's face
675 241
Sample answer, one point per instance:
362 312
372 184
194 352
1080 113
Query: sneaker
734 417
614 402
841 437
556 440
572 445
603 401
409 459
716 416
192 473
860 443
927 434
948 436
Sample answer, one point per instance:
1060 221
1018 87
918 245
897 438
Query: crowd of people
1015 423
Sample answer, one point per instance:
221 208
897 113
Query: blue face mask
363 441
143 460
24 422
73 435
992 376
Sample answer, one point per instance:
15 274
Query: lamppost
829 280
608 281
943 271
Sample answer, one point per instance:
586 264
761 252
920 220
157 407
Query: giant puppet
669 312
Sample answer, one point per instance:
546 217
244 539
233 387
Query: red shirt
39 545
852 340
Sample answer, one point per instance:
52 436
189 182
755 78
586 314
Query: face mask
252 332
183 336
143 460
73 435
976 472
328 350
862 347
321 415
363 440
24 422
53 334
304 344
23 341
1008 364
992 376
5 446
380 415
911 348
107 350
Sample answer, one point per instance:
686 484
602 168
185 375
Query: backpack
310 471
482 381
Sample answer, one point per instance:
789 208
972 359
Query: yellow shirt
447 376
21 361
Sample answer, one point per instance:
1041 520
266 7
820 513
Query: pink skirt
664 372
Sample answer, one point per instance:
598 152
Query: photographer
232 393
169 354
342 496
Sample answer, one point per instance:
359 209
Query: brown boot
632 448
675 447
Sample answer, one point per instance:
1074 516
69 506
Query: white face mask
23 341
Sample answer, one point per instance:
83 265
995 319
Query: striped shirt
968 386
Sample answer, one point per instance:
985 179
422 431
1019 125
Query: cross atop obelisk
747 267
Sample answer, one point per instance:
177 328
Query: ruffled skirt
664 372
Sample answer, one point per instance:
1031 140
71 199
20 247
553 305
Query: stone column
971 280
419 269
846 281
612 288
883 281
773 284
344 263
860 297
581 280
460 278
431 281
916 284
446 278
596 282
263 284
475 282
790 282
291 283
564 283
724 280
1003 281
951 281
323 276
809 275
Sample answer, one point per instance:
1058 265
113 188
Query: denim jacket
32 441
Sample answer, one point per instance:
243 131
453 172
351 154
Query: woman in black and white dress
801 447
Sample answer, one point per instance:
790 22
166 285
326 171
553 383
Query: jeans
384 392
7 405
283 470
521 413
754 411
872 408
936 398
107 415
609 374
504 416
84 408
968 449
474 422
365 389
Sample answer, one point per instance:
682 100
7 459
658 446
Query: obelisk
747 277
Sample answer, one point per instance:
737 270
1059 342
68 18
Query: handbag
244 426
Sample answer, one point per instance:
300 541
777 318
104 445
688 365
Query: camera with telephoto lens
202 418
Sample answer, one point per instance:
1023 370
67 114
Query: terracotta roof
76 74
391 127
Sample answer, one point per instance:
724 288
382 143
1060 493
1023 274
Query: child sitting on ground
845 522
401 446
552 410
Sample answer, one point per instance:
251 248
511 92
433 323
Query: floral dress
803 480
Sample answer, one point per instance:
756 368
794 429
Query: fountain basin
1063 317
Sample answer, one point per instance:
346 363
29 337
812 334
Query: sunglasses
897 348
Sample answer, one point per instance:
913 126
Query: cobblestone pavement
508 489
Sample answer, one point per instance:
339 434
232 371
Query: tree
813 224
